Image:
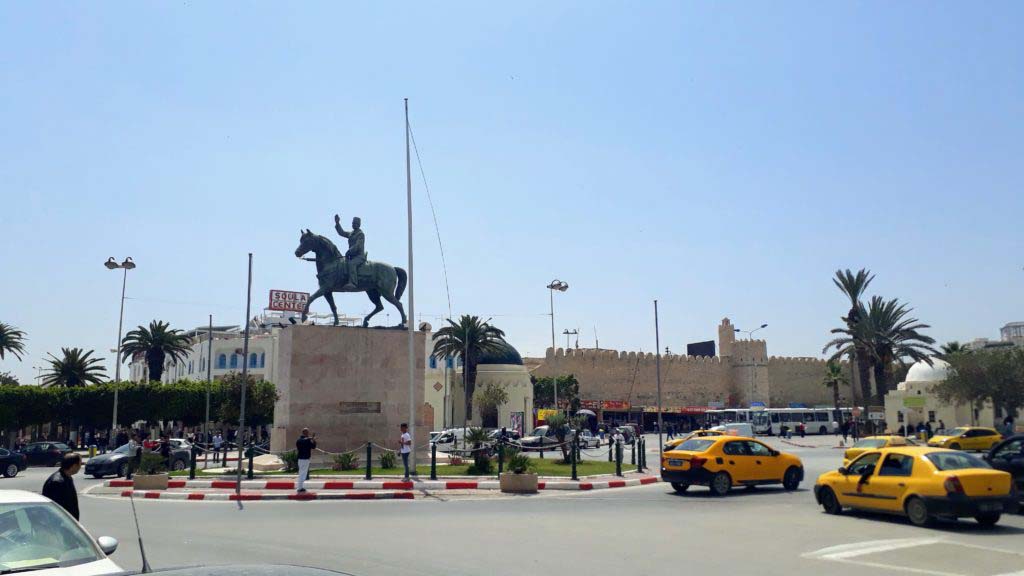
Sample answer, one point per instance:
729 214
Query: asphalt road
643 530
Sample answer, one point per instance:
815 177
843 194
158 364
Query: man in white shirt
405 444
218 440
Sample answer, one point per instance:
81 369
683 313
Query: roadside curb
286 485
251 496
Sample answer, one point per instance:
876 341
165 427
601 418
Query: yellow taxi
874 442
695 434
721 462
967 438
919 482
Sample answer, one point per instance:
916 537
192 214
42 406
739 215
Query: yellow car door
888 485
767 463
851 487
738 462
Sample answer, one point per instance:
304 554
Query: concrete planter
150 481
525 483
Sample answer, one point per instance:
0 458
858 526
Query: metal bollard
542 449
611 449
251 453
369 460
501 457
618 459
433 461
192 462
642 455
574 476
632 451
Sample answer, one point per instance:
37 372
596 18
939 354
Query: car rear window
955 461
870 443
695 445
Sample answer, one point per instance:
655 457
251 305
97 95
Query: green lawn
545 467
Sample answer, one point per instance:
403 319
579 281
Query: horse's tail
402 279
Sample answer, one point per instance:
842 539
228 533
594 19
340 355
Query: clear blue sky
725 158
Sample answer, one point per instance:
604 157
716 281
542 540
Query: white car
588 440
39 537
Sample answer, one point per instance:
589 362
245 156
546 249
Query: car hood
104 458
96 568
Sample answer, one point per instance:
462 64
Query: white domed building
914 401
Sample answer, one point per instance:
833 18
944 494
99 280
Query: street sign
914 401
876 416
286 301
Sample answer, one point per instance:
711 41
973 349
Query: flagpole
411 319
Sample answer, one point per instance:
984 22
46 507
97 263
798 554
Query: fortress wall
609 375
798 380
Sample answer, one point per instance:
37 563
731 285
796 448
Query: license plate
991 507
675 462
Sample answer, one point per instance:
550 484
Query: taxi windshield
37 535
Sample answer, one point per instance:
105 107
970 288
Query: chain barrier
364 445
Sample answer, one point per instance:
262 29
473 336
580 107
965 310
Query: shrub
480 466
346 461
387 460
520 463
455 460
291 461
152 463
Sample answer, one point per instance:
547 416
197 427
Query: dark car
12 462
1008 456
45 453
115 463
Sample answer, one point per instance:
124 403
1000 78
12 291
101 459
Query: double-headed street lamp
753 365
555 284
126 266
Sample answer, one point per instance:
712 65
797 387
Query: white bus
727 415
816 420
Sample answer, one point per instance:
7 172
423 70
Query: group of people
306 443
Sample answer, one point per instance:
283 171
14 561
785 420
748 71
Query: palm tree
854 343
469 339
894 336
12 341
952 348
157 343
75 367
833 378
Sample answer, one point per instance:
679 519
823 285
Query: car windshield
955 461
122 449
694 445
539 431
956 431
870 443
35 535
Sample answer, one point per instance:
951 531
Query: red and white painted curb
250 496
388 485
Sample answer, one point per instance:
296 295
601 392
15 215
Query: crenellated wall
741 374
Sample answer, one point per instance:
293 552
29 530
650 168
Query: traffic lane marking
926 555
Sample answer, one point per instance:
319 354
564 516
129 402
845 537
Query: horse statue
377 279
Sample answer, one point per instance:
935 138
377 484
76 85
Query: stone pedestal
347 385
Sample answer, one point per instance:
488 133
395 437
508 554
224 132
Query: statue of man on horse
351 272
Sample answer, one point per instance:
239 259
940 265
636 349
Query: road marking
847 551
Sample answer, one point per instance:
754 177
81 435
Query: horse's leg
377 306
313 296
389 296
334 309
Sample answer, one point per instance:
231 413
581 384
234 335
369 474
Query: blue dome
505 355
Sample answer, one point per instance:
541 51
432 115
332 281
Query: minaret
726 338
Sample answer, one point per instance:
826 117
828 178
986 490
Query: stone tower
726 338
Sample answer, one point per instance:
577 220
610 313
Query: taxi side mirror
774 453
842 470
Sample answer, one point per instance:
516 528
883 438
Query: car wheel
721 483
680 487
822 430
988 519
11 471
178 465
122 470
829 501
917 511
791 479
97 476
955 446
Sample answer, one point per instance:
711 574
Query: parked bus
727 415
816 420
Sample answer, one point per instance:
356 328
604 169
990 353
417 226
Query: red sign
590 404
614 405
286 301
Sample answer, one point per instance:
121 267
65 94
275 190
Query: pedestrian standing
304 450
60 486
134 456
405 448
942 426
218 441
802 428
928 430
165 450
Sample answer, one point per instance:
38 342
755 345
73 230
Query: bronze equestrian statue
351 272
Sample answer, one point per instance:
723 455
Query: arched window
222 362
449 362
253 360
189 366
263 359
234 360
433 362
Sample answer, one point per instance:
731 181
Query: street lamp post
753 364
555 284
126 266
573 333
